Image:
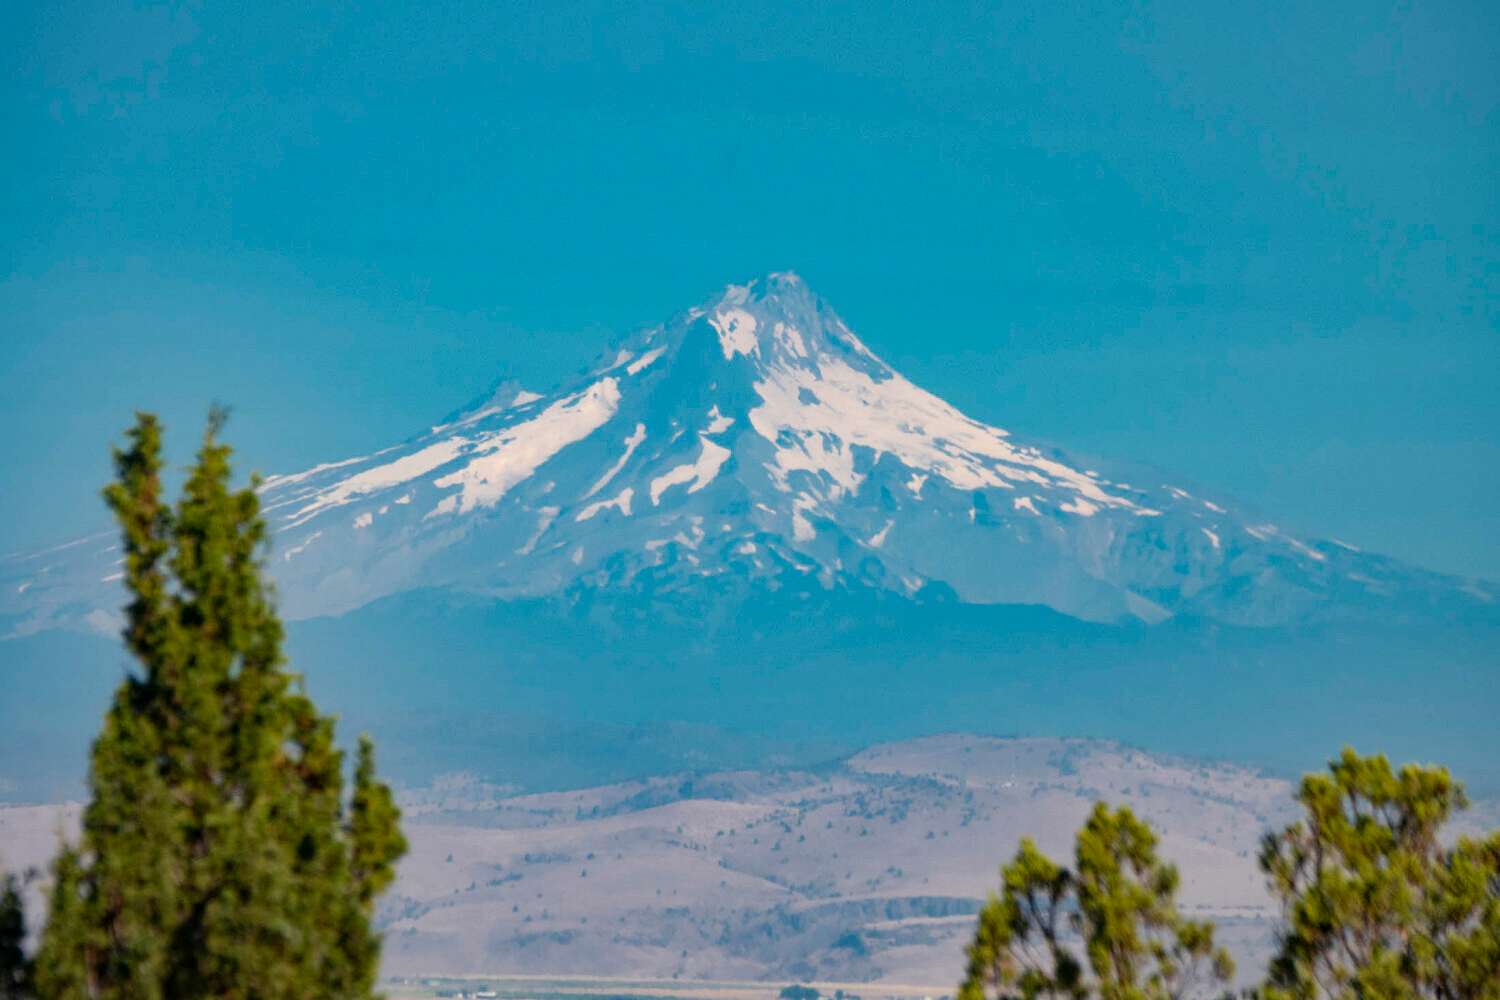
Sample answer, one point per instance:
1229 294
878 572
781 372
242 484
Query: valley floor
605 988
867 871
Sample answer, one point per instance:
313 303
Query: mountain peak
772 285
778 319
755 441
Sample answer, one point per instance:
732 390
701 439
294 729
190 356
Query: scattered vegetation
1374 905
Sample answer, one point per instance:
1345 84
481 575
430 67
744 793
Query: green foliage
1117 907
1375 905
15 968
217 856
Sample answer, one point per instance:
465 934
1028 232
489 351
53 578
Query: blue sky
1257 247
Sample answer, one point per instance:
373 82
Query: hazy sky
1256 245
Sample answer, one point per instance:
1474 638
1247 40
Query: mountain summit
756 442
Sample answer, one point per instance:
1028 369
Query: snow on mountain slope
755 441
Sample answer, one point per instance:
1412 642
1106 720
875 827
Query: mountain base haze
546 693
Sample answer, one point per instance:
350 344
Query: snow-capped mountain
754 441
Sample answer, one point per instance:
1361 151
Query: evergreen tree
15 969
217 856
1375 905
1117 909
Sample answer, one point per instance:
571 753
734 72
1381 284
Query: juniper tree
217 856
1116 911
1374 903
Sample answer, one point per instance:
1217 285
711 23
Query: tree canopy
1375 903
218 854
1116 910
1378 903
